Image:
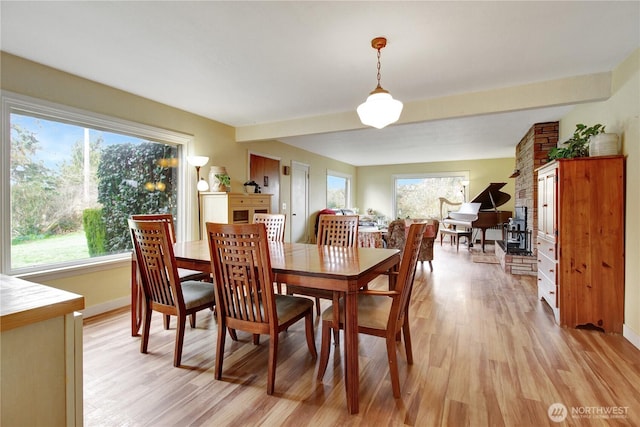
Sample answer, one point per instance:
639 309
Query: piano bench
456 235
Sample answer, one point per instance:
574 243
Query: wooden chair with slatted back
183 273
162 289
274 223
382 313
333 230
275 230
338 230
244 290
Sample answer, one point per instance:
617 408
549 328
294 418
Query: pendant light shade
380 109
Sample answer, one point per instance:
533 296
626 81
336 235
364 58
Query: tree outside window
72 187
418 196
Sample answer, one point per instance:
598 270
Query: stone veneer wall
531 153
517 264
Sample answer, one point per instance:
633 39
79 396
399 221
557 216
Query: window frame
347 195
23 104
394 179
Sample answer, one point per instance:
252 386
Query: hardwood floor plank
486 352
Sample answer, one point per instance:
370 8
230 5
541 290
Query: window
338 190
71 178
418 196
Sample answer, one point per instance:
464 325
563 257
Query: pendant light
380 109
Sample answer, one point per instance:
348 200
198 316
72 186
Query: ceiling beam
551 93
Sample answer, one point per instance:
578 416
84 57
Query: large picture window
73 178
418 195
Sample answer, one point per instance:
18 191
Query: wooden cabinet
580 241
232 208
41 355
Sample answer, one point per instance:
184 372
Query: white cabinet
41 355
232 208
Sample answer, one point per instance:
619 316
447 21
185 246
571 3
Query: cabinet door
547 204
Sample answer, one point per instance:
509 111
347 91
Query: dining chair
274 223
246 300
183 273
382 313
275 230
162 289
333 230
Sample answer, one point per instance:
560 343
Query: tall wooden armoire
580 240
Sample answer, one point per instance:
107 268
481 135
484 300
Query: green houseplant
224 180
578 144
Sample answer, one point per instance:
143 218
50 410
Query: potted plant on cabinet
578 144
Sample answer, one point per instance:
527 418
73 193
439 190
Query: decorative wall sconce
516 173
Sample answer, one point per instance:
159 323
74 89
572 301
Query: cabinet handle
550 271
551 292
545 205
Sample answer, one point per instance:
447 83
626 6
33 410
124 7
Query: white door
299 202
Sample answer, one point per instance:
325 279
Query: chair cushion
289 307
373 311
186 274
197 293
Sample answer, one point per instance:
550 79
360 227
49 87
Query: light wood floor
486 353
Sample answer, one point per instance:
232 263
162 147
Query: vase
604 144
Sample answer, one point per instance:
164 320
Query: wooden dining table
338 269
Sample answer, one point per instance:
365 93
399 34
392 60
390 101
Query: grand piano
488 215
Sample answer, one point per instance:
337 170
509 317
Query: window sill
77 270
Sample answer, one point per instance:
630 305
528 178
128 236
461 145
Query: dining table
341 270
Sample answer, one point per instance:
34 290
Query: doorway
265 171
299 202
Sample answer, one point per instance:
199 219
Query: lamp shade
379 110
197 161
203 185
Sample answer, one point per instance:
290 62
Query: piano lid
491 197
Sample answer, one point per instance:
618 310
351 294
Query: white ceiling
252 64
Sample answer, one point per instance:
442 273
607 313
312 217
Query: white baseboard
94 310
631 336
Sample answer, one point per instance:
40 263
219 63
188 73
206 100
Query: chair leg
167 320
233 335
393 366
192 320
256 339
273 360
430 266
308 328
220 350
146 325
177 352
324 349
406 332
318 307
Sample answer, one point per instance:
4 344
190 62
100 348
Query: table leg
352 370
